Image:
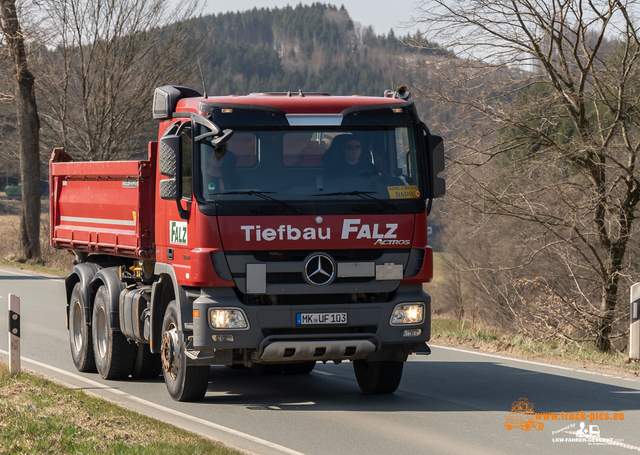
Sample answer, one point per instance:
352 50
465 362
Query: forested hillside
94 97
314 47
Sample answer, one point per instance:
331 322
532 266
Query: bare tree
98 81
28 126
550 89
9 147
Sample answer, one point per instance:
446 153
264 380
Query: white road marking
215 426
33 274
16 273
532 362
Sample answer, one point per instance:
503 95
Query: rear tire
184 383
113 353
146 365
299 368
378 377
80 338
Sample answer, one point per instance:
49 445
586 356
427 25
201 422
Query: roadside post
14 334
634 330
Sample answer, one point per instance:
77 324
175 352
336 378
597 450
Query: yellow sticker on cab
403 192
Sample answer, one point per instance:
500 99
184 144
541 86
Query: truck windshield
296 165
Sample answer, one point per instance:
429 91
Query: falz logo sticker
351 229
178 232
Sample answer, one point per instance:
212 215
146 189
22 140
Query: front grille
285 278
298 278
319 331
323 299
300 255
313 299
354 279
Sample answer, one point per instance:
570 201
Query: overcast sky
381 14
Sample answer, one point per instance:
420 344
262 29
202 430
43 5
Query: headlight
228 318
407 313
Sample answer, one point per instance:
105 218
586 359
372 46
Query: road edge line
98 385
533 362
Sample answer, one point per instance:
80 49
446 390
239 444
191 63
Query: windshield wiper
366 195
262 195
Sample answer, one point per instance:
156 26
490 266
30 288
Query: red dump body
103 207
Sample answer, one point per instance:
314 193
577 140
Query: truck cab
288 228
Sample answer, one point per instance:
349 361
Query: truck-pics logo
351 229
522 416
178 232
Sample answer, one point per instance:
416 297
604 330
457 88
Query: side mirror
217 137
226 135
170 160
435 146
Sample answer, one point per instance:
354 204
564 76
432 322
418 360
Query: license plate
321 318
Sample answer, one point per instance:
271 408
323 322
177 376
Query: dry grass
450 332
54 260
38 416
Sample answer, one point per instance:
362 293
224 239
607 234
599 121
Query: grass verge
583 355
38 416
13 262
54 261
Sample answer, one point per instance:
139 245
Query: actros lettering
366 231
285 232
392 242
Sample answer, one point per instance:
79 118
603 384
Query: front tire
80 338
184 383
378 377
113 353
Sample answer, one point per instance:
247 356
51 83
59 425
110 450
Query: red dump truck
273 230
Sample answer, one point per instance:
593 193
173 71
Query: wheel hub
76 326
102 333
170 351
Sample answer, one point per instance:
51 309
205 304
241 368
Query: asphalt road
452 402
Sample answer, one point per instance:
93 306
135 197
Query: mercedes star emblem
319 270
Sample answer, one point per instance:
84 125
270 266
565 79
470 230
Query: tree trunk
28 133
609 300
28 127
603 336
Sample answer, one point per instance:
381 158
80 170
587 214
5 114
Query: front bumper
274 335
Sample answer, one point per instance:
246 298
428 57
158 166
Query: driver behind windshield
346 157
220 173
